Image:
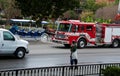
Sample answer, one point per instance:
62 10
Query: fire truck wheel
115 43
82 43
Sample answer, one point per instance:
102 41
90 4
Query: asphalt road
51 54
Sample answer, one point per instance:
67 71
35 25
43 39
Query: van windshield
64 27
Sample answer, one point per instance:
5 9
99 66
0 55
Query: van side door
8 43
1 42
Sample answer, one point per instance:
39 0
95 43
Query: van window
7 36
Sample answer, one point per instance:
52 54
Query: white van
12 45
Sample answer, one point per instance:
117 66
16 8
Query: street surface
51 54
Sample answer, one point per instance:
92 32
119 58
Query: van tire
20 53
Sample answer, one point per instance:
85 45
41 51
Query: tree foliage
116 1
91 5
9 9
46 7
87 16
70 14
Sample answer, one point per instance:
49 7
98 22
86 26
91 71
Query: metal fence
79 70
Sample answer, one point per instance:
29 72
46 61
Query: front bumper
27 51
60 41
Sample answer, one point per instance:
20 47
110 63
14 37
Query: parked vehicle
12 45
86 34
31 31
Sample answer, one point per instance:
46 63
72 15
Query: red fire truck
86 34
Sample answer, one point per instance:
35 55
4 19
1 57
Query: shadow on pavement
88 47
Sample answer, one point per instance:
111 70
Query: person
73 55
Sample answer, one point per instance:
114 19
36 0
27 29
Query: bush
2 22
111 71
87 16
70 14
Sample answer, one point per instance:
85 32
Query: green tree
87 16
70 14
41 8
116 1
8 6
4 4
91 5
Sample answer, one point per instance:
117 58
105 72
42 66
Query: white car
12 45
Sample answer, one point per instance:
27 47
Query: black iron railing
79 70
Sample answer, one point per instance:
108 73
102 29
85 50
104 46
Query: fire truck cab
87 33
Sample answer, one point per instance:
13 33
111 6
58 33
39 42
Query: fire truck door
108 34
90 31
74 28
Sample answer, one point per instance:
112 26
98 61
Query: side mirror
75 29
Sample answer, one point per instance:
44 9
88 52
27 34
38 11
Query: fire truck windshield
64 27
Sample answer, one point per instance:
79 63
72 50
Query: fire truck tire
82 43
115 43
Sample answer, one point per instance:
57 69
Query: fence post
100 70
16 73
63 71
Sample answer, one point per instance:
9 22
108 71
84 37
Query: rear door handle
2 44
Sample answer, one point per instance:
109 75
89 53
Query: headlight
66 37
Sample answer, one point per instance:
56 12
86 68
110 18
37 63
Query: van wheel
82 43
20 53
115 43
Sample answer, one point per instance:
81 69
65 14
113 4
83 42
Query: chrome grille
60 36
